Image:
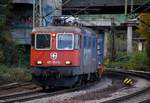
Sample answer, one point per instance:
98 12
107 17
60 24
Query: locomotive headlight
53 34
68 62
39 62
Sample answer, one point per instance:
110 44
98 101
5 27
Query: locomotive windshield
65 41
43 41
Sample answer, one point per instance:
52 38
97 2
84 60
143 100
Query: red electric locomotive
63 55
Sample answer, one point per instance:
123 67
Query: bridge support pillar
129 39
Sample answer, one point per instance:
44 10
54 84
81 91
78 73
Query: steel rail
141 74
145 101
21 97
39 94
14 85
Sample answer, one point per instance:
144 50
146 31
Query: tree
144 29
5 6
7 46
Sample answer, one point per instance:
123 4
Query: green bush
8 51
136 61
14 74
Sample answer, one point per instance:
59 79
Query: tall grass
14 74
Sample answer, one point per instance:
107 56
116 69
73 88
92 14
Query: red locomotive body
63 55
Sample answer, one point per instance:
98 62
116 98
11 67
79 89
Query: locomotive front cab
55 49
55 56
63 55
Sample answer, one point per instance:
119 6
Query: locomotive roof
57 29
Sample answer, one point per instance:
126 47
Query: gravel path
106 89
68 97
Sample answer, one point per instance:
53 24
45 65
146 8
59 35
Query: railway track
14 85
13 88
125 98
145 101
26 96
139 98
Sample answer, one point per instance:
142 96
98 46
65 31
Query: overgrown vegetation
8 52
14 74
136 61
144 29
10 69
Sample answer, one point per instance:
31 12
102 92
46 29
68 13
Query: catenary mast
44 10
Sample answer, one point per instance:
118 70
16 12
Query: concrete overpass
97 6
80 7
102 6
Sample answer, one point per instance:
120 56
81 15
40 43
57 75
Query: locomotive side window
43 41
65 42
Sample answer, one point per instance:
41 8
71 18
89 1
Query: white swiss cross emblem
53 55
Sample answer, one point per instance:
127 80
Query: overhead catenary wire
67 1
133 11
147 25
56 9
83 9
51 12
146 9
73 14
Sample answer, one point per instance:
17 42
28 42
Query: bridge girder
102 6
